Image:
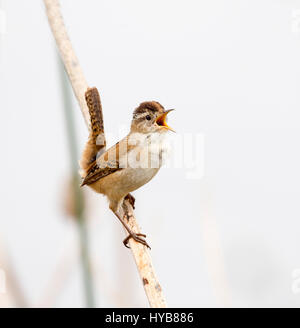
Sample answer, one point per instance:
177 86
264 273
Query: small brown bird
130 163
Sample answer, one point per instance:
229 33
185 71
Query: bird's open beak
161 120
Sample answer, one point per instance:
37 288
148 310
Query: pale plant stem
140 253
12 284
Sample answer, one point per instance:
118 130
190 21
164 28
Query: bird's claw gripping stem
137 238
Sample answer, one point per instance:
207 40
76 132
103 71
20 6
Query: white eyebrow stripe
140 115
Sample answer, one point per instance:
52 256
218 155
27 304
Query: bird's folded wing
96 173
108 162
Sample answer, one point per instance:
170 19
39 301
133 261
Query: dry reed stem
140 253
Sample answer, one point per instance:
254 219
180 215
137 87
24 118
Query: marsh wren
130 163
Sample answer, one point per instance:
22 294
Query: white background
232 71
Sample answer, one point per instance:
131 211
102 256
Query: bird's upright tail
96 143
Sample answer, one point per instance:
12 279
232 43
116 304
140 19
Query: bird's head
149 117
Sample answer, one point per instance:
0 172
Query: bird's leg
131 200
138 237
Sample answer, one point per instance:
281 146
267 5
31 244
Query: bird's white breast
151 151
143 162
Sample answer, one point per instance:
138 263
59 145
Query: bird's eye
148 117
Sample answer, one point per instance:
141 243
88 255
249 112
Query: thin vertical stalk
77 193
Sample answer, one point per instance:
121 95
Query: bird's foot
137 237
131 200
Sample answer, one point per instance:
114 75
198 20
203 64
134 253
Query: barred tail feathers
96 143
